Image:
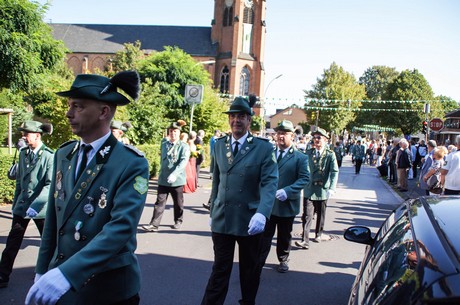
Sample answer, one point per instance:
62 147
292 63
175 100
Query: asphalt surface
176 264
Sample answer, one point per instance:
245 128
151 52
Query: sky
304 37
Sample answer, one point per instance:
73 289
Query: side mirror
359 234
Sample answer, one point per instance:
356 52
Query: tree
376 81
342 89
127 58
172 69
27 48
412 88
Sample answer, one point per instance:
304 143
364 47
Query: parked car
415 256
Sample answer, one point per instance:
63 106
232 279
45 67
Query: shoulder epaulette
67 143
134 149
220 138
49 150
260 138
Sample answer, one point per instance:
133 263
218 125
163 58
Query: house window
224 76
248 15
244 81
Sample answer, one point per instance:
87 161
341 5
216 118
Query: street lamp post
262 112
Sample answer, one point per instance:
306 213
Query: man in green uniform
96 199
175 155
324 173
293 176
31 194
245 179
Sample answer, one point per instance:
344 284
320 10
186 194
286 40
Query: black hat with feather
115 90
242 105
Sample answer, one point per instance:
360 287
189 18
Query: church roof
97 38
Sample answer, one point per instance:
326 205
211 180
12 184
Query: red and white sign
436 124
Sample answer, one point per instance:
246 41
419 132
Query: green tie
84 159
280 156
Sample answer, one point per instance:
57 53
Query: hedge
7 186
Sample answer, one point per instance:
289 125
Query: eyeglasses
317 138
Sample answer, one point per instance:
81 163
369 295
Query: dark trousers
311 207
358 163
283 238
198 168
339 162
13 242
393 172
249 250
177 194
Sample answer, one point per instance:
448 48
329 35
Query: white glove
172 178
256 224
48 289
281 195
210 221
330 193
31 213
37 277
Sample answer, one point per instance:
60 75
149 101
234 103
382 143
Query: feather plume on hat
128 81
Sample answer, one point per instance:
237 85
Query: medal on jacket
59 180
89 208
78 226
171 154
103 201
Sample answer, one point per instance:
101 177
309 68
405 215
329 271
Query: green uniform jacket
91 224
242 186
174 162
324 173
33 182
293 176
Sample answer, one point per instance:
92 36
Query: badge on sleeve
141 185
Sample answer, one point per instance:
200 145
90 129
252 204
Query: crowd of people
87 204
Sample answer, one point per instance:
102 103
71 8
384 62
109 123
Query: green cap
285 125
120 125
37 127
240 105
177 125
103 89
321 132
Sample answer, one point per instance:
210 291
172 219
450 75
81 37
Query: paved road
176 264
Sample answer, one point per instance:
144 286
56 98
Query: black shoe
282 267
3 281
177 225
302 244
207 206
150 228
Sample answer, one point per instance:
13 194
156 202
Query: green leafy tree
127 58
442 106
172 69
376 81
409 86
338 85
27 48
14 101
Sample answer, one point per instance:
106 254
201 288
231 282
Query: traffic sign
194 94
436 124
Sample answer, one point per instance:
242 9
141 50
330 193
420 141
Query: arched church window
244 81
224 78
248 15
228 16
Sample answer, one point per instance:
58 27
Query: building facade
231 50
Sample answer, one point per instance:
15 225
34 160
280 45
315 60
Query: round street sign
436 124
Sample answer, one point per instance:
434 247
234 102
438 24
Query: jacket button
226 188
61 256
61 232
83 237
58 208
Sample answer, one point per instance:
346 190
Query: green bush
152 154
7 186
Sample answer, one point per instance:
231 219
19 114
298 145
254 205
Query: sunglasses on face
317 138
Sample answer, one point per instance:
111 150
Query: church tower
238 28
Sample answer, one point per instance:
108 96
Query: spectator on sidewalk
435 168
427 161
30 200
451 171
392 161
403 164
